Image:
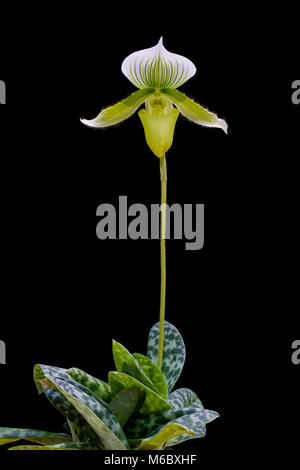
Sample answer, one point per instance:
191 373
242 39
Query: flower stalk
163 179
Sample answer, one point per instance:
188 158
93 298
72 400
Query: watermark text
137 222
296 93
2 92
296 353
2 352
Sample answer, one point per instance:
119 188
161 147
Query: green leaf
63 405
153 402
7 441
126 402
41 371
191 420
100 388
184 398
173 353
67 446
154 373
141 427
159 439
33 435
120 111
192 110
127 364
195 422
95 411
84 431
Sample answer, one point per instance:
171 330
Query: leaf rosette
136 409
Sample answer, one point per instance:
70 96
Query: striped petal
193 111
157 68
120 111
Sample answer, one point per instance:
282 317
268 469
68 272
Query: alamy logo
2 92
188 222
296 93
2 352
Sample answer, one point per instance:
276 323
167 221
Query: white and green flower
157 73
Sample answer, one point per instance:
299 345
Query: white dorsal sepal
157 68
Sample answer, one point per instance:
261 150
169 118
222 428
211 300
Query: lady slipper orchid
137 409
157 73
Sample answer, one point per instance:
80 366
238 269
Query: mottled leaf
32 435
96 412
100 388
153 402
196 422
184 398
173 352
154 373
60 402
41 371
127 364
192 419
141 427
126 402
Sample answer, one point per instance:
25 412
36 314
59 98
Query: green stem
163 178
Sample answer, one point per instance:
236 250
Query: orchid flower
157 73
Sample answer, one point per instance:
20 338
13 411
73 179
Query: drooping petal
193 111
120 111
157 68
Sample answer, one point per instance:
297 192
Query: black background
66 294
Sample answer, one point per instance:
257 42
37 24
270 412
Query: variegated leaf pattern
96 412
154 373
126 402
41 371
67 446
33 435
63 405
127 364
196 422
173 353
142 427
184 398
100 388
153 402
51 375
